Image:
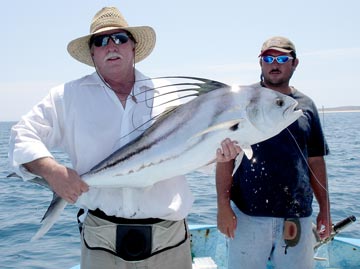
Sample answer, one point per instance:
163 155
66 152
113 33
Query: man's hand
226 221
64 181
228 151
323 225
67 183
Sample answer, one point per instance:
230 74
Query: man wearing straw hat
89 118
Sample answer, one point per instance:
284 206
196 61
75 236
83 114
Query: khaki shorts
169 247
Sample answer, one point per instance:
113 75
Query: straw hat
110 18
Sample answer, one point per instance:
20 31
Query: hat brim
145 42
277 49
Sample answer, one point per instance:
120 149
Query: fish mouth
291 110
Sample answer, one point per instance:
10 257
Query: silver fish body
186 139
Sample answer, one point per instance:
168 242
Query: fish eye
279 102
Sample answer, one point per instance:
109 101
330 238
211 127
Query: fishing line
318 181
327 187
323 122
307 164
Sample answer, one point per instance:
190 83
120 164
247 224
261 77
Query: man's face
276 73
110 58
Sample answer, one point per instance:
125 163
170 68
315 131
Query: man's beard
278 82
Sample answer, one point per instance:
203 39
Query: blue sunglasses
280 59
103 40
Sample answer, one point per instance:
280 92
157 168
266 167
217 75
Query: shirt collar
142 82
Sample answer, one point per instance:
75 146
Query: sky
220 40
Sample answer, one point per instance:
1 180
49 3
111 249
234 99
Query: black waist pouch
133 242
129 242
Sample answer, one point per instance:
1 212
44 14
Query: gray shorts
260 240
169 248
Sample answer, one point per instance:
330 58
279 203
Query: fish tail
51 215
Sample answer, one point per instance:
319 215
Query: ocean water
23 204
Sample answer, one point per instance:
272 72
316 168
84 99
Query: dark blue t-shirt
275 182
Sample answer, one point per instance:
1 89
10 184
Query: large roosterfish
185 138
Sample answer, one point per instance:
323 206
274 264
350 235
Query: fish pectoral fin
247 150
231 125
238 160
38 180
13 175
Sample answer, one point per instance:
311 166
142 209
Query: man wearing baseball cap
269 216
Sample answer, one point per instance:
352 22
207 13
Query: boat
209 249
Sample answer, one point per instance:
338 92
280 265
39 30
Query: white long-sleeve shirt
86 120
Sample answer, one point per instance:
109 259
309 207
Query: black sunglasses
103 40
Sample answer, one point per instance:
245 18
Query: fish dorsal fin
183 91
203 86
221 126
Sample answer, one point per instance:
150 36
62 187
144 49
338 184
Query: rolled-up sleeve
36 134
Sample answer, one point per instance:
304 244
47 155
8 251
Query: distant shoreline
341 109
337 111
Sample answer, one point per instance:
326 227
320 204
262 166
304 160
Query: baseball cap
278 43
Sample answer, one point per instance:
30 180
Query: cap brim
275 48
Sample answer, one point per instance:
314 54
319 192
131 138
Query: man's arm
318 179
225 156
226 220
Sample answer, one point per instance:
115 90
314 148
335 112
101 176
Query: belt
101 214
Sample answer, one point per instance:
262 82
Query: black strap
101 214
80 212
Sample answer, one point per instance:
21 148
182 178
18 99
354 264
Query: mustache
274 70
113 55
